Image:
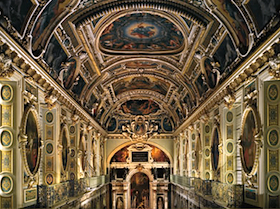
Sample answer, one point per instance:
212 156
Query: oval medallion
6 93
32 146
273 92
273 138
6 138
6 184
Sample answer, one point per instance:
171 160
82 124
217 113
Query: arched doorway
139 190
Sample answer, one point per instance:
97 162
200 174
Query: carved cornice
252 65
21 60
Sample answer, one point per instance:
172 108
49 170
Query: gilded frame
23 139
64 127
219 147
248 109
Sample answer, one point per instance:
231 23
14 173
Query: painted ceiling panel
139 107
141 33
174 53
141 82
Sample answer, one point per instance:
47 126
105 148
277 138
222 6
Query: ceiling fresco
141 82
139 107
120 59
141 33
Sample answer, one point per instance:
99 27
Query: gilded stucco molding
23 62
252 65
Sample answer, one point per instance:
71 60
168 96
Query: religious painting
167 124
201 85
236 21
54 56
141 82
141 64
250 129
141 33
119 203
215 149
197 153
160 203
262 11
33 142
17 11
225 54
121 155
50 16
189 102
69 72
83 154
65 149
140 127
112 125
139 107
78 85
139 191
158 155
211 72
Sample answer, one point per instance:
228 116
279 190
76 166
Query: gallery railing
220 193
51 195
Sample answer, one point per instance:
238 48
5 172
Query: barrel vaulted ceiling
123 58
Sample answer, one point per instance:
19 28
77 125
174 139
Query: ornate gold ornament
250 142
140 129
6 68
50 100
26 144
274 69
229 99
64 151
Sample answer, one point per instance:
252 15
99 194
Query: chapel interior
139 104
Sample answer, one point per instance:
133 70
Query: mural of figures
54 56
119 203
82 149
160 203
140 64
142 82
43 24
64 149
69 72
236 21
141 32
248 142
215 150
158 155
17 12
201 85
198 152
225 54
139 107
139 191
32 146
262 11
112 124
78 85
167 125
211 72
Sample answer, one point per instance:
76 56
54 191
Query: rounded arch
130 143
135 170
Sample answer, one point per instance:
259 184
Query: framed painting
250 140
65 143
30 138
215 152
